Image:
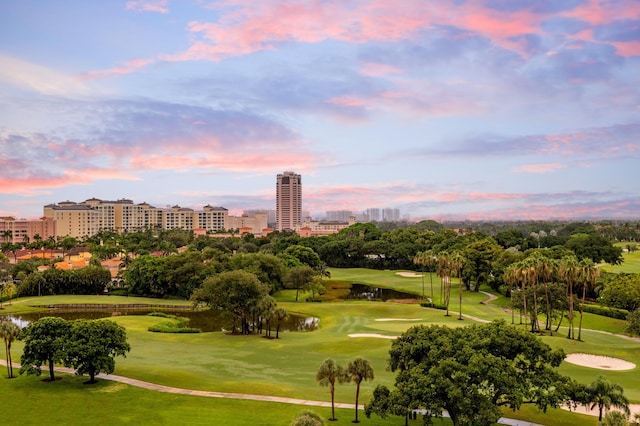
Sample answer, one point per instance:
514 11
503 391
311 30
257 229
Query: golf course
283 367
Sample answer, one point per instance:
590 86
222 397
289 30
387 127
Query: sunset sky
445 109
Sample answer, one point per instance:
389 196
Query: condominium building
20 231
73 219
84 219
288 201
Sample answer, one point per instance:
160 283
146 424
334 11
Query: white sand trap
378 336
409 274
398 319
600 362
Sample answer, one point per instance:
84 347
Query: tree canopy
44 343
470 372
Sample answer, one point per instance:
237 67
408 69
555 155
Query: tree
358 370
456 263
633 323
298 278
327 375
93 346
307 418
604 394
8 332
44 343
235 292
569 270
470 372
588 274
280 314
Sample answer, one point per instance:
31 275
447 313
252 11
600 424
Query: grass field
284 367
631 264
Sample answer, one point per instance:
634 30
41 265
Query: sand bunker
378 336
398 319
409 274
600 362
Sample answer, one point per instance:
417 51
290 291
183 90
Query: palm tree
604 394
327 375
444 269
456 262
420 259
280 315
588 275
569 271
358 370
9 332
7 235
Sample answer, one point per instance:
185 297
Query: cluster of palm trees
356 371
539 281
9 332
447 265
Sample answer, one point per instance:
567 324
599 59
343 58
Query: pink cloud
159 6
128 67
538 168
627 48
375 69
31 185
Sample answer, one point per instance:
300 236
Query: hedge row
606 311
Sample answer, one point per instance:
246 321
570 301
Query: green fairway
284 367
631 264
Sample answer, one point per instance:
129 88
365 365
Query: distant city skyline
445 110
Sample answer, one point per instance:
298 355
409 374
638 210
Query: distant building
373 215
20 231
391 215
315 228
87 218
288 201
253 224
338 215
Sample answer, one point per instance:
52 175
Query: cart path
229 395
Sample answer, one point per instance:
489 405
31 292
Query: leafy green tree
235 292
93 345
480 255
8 332
305 255
299 278
604 394
307 418
328 373
633 323
615 418
357 371
45 342
621 291
471 372
145 276
280 315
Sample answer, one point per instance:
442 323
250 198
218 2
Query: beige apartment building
87 218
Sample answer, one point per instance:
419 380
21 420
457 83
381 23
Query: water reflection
367 292
205 320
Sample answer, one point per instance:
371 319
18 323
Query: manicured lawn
631 264
284 367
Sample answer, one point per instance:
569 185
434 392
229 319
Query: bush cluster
607 312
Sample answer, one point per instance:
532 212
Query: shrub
607 312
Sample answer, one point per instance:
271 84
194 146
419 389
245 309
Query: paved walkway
266 398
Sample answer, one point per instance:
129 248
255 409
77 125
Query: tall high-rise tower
288 201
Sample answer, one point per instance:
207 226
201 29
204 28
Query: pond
206 320
367 292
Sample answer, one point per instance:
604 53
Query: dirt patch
377 336
398 319
599 362
409 274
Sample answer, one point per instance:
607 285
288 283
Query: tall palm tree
327 375
569 271
431 262
511 278
604 394
444 270
456 262
8 332
7 235
358 370
589 272
420 259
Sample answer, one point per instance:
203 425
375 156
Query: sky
444 109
